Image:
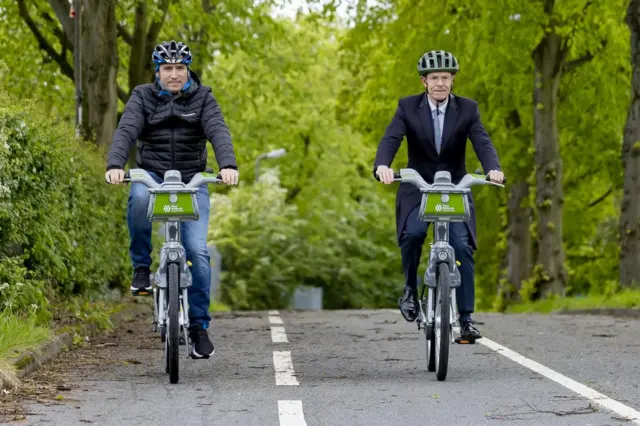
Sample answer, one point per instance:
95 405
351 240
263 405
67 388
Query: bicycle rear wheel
173 329
442 321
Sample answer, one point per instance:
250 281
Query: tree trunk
518 256
630 207
99 51
518 239
549 60
140 64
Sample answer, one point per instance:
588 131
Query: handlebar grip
396 175
504 179
479 172
210 170
127 178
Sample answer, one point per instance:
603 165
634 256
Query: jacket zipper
173 142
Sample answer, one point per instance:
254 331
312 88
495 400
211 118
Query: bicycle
442 202
172 202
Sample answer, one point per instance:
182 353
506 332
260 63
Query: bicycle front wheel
173 329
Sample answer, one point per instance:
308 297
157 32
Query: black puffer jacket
172 130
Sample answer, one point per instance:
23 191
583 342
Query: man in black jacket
173 118
436 125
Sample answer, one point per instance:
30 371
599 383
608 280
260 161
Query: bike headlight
442 255
173 255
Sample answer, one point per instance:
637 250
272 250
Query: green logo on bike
172 208
445 208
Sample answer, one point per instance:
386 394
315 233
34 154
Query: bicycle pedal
462 341
141 293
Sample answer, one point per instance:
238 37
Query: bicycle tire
173 330
443 320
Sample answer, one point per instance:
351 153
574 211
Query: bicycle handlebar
469 180
142 176
397 177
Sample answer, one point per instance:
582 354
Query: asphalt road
352 368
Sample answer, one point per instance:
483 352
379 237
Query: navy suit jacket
413 120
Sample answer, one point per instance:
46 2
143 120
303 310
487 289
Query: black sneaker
141 284
201 346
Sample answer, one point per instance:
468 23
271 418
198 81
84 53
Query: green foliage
325 93
61 226
493 42
627 298
269 247
328 223
209 28
29 72
257 235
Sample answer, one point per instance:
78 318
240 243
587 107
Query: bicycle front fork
160 315
427 321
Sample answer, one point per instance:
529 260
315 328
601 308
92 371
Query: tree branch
122 95
548 6
42 42
572 65
61 9
59 33
306 138
207 6
566 42
64 49
601 198
584 410
126 36
156 26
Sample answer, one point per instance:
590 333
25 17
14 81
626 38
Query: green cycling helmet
437 61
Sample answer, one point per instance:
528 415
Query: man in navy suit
437 125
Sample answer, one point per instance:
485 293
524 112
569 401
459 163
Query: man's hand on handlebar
229 176
114 176
385 174
496 176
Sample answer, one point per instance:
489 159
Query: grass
628 298
19 333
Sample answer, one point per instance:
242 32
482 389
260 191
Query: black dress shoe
408 305
469 332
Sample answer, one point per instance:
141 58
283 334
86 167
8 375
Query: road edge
612 312
30 361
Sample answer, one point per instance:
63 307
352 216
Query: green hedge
62 229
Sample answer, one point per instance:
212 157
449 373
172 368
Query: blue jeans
194 239
411 242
